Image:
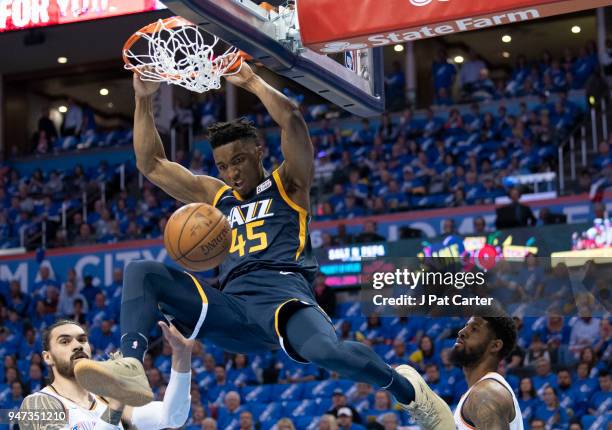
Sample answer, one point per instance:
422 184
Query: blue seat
316 389
287 391
257 393
299 408
306 422
591 422
266 411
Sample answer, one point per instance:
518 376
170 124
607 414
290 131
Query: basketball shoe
427 408
119 378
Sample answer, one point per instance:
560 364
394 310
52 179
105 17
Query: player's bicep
43 404
298 152
180 183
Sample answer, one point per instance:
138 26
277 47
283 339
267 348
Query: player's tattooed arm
46 405
489 406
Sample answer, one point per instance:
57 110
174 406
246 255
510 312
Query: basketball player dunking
267 299
489 403
65 405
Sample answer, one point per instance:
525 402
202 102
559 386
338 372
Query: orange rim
169 23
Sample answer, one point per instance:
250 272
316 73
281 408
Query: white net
178 54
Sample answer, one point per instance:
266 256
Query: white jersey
80 418
517 422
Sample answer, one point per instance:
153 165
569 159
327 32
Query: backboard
272 37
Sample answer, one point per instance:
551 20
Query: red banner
338 25
20 14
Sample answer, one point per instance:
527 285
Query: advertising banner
330 26
21 14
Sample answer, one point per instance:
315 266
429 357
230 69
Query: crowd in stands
529 77
559 369
398 163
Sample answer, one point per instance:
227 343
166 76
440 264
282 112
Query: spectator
17 300
551 412
584 331
443 73
528 399
369 234
73 119
325 296
198 414
44 280
209 424
328 422
390 421
395 83
470 72
284 424
480 226
448 227
345 420
46 126
569 399
515 214
221 389
85 236
342 236
600 402
484 88
439 386
240 374
544 377
246 421
339 402
78 314
89 291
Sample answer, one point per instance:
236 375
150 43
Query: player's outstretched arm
489 406
40 404
173 411
298 168
151 159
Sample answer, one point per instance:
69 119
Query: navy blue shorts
251 312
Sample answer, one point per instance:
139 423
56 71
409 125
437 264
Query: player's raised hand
144 89
244 74
177 341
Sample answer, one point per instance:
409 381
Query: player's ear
46 356
496 345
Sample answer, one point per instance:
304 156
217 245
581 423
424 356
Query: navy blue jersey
269 231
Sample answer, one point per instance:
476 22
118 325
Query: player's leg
150 287
313 337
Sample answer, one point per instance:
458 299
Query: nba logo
350 60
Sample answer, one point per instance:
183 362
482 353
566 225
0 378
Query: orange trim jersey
269 231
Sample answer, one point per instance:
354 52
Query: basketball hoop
177 53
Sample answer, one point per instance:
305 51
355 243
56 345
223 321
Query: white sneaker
119 378
428 409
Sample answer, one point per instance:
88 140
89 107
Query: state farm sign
330 26
20 14
426 31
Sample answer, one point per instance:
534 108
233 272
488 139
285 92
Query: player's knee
136 271
135 276
321 350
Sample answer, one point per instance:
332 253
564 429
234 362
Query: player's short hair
503 327
46 334
222 133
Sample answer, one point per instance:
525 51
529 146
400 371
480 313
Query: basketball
197 237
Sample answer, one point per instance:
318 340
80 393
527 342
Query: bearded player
489 404
64 404
267 299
